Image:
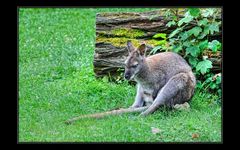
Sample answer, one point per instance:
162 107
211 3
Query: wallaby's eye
134 66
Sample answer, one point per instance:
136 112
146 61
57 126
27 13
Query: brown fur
163 79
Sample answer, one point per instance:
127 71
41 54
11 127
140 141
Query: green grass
56 82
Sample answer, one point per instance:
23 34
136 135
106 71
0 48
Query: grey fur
163 79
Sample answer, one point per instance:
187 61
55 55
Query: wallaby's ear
130 46
141 49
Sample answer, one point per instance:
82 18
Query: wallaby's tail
108 113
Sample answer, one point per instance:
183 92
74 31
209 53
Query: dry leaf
215 76
155 130
195 135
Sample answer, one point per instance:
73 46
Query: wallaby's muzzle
127 75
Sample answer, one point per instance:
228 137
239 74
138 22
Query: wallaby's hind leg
139 98
168 92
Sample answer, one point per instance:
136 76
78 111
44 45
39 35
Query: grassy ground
56 82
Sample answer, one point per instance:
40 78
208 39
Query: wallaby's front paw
148 103
134 106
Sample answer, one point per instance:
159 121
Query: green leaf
214 45
208 12
160 35
203 45
211 28
171 23
186 19
155 49
203 66
172 41
219 92
175 17
203 22
184 35
194 12
176 31
177 48
193 61
193 50
206 30
193 40
187 43
195 31
161 42
201 36
214 27
209 79
218 80
213 85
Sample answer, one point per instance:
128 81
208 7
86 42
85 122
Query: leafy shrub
194 39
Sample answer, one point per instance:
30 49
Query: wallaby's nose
127 76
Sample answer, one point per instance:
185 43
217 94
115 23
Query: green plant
192 38
162 44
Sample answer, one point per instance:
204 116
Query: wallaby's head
134 61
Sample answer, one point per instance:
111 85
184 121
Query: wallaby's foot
135 106
184 106
138 103
144 114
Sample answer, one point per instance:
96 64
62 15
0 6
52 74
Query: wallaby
163 79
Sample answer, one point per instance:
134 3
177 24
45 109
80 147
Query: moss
122 41
103 34
119 37
152 42
118 42
131 33
122 32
